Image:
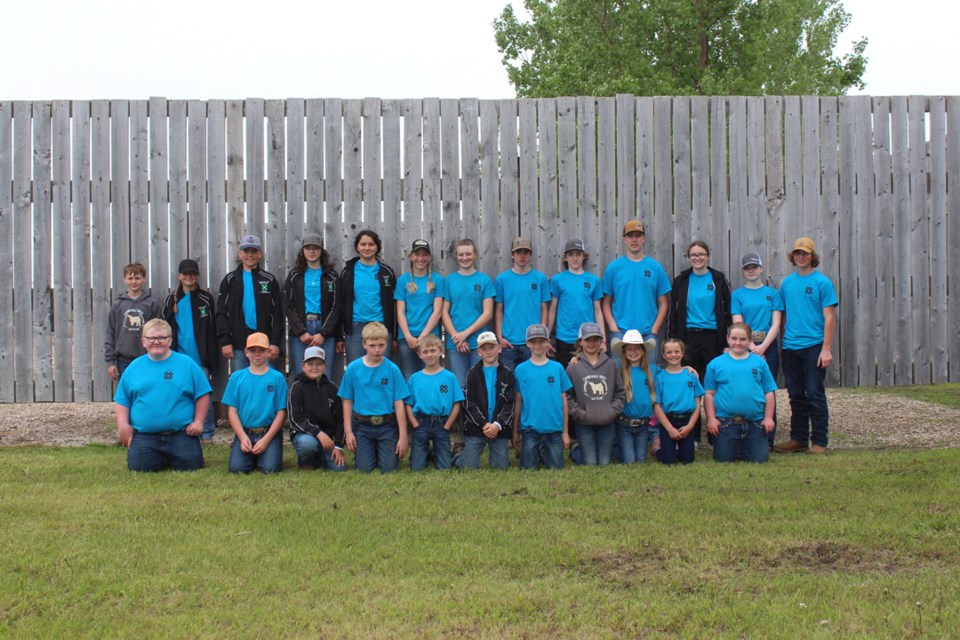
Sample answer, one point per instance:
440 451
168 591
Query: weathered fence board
42 252
7 311
86 354
22 276
953 234
101 263
62 248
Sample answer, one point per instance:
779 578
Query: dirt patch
857 420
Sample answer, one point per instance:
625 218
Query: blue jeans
535 446
460 363
808 397
410 361
473 446
310 453
297 349
157 451
270 461
634 442
745 441
210 422
430 430
512 356
376 445
596 443
672 451
122 365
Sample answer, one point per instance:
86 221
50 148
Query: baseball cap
750 259
521 242
632 226
487 337
188 266
314 352
574 245
633 337
537 331
420 244
804 244
311 239
590 330
258 340
251 242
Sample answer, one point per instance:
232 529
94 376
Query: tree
678 47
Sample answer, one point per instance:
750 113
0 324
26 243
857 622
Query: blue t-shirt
434 394
677 392
490 380
701 302
740 385
373 390
161 395
249 301
521 296
366 293
575 294
466 295
635 287
542 387
257 398
186 340
419 303
804 299
312 291
640 406
756 306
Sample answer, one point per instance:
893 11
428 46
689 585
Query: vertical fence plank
589 230
471 215
101 276
899 127
452 226
606 178
682 199
370 165
198 246
755 239
413 177
333 229
645 139
509 180
847 284
255 163
275 215
700 176
719 184
491 220
314 170
139 185
829 211
545 236
22 268
953 232
529 161
218 261
7 355
793 172
431 179
120 187
293 216
179 223
568 219
884 244
236 188
740 218
626 169
659 225
62 248
919 240
392 170
939 326
867 234
159 269
42 253
810 162
775 247
86 354
353 176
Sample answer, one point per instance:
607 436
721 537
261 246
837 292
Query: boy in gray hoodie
125 323
597 397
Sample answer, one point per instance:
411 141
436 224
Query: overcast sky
201 49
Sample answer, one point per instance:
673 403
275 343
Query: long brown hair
625 367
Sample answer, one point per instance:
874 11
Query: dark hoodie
598 395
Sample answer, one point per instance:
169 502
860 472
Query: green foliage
678 47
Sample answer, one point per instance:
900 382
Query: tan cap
804 244
522 242
258 340
632 226
487 337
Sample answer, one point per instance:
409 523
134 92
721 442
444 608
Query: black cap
188 266
420 244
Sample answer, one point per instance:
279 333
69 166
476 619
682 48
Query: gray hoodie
124 325
597 396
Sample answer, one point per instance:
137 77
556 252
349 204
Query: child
189 312
257 401
761 307
316 415
541 412
634 431
467 308
740 400
308 295
576 296
250 301
419 306
491 397
127 316
373 391
433 406
679 395
523 297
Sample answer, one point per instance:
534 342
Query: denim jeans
596 443
473 446
634 442
430 430
672 451
270 461
410 361
460 363
512 356
210 421
297 349
536 446
157 451
122 365
808 398
376 445
310 453
745 441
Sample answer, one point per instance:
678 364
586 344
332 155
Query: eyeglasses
155 339
697 256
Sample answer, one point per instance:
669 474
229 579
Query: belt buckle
738 420
758 336
376 420
313 316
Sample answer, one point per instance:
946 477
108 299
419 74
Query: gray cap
313 239
574 245
537 331
749 259
251 242
420 244
314 352
590 330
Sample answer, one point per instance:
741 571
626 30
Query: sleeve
400 389
489 291
210 335
608 278
411 393
399 290
346 386
223 321
230 394
554 287
331 324
505 415
673 314
620 394
280 393
296 412
828 295
735 308
156 309
777 300
473 414
498 290
697 387
290 307
575 410
457 390
122 395
597 289
565 383
201 386
663 285
709 378
544 289
336 408
110 342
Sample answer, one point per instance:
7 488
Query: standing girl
634 433
308 295
419 306
467 308
575 299
679 395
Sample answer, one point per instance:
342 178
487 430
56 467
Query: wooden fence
90 186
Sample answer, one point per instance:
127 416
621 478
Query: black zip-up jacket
677 321
475 401
231 329
204 326
342 312
294 300
314 406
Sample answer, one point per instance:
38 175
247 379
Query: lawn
855 544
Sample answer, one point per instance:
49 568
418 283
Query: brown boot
816 449
790 446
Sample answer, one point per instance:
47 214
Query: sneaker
790 446
816 449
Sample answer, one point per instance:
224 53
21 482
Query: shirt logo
203 311
551 379
533 287
769 298
476 288
133 319
597 388
386 281
264 287
808 291
586 285
271 388
710 287
647 273
444 389
690 384
329 286
384 382
168 375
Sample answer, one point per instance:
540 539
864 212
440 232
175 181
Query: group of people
539 379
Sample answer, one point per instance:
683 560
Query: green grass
841 546
945 394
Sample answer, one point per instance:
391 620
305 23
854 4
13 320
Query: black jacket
342 311
677 321
475 402
204 326
231 329
294 301
314 406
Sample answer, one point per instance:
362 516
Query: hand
351 442
505 344
490 431
113 372
413 343
464 346
825 359
515 442
274 352
260 446
245 444
551 350
401 446
758 349
325 441
306 338
673 433
317 340
713 426
693 371
566 440
227 351
125 435
603 346
340 346
194 428
769 425
337 457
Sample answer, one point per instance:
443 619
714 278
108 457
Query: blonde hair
156 323
740 325
625 367
412 286
374 331
430 341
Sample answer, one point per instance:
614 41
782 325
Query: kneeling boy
316 415
489 403
433 406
